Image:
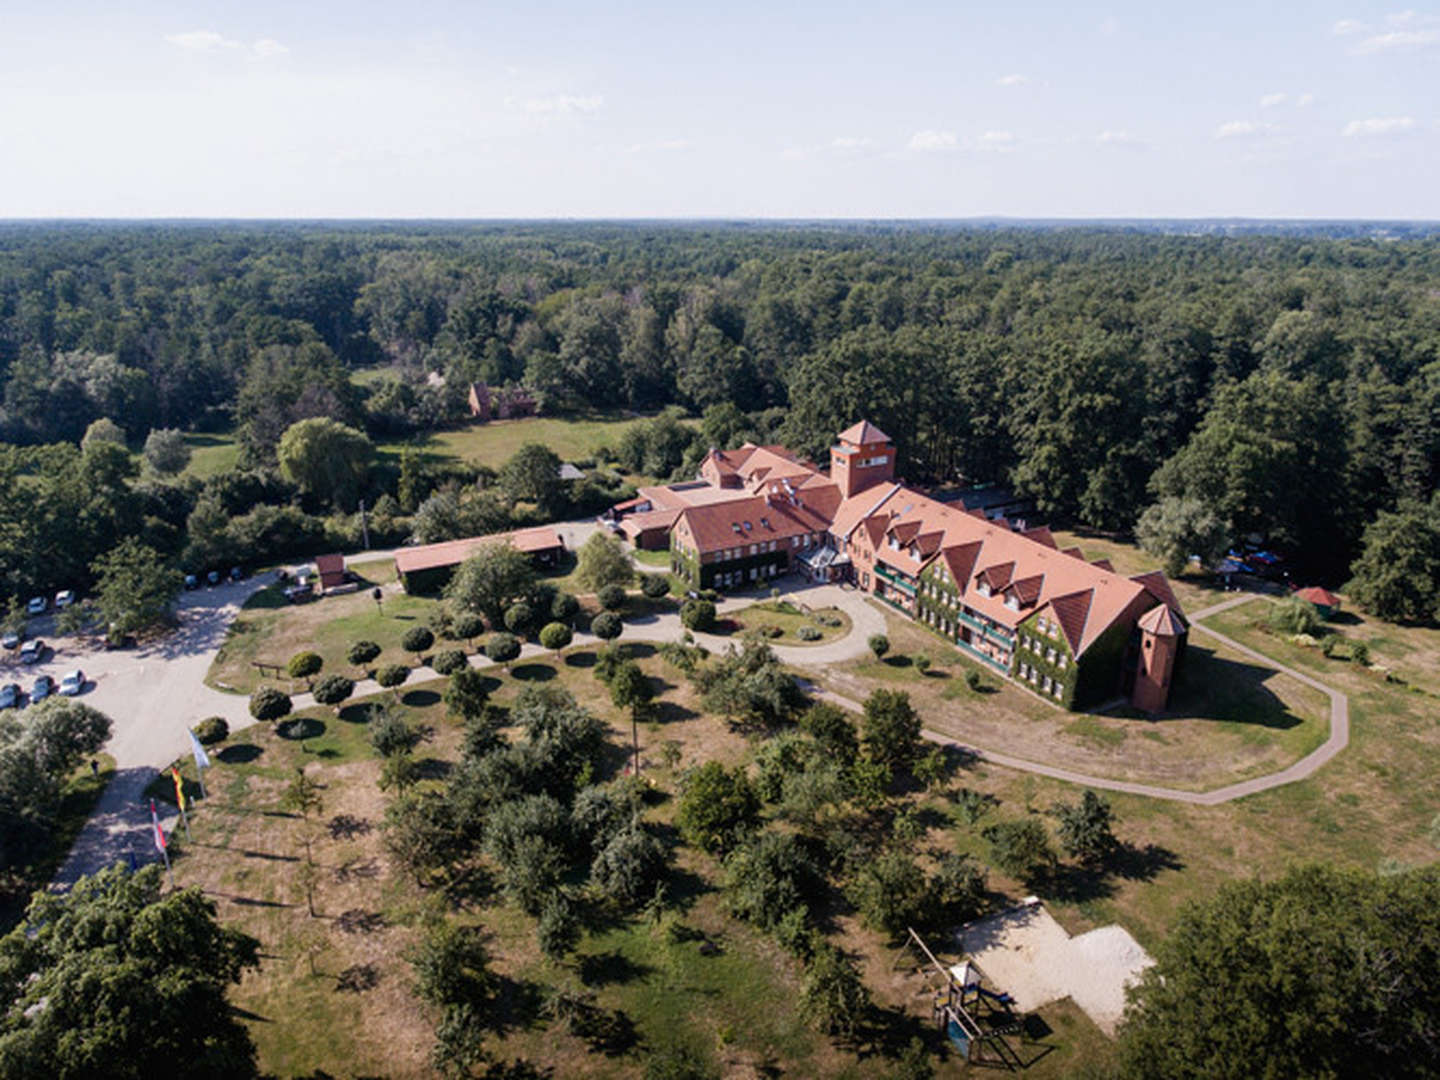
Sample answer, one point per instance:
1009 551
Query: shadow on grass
899 661
583 659
420 699
612 968
433 768
1212 687
533 672
239 754
300 728
1143 863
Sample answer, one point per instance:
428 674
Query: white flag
202 760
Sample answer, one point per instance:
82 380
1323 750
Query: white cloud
1110 26
997 140
559 104
1269 101
849 142
1304 101
1014 79
1346 27
686 144
1404 30
201 41
1379 125
1119 138
1398 40
1242 129
933 140
209 41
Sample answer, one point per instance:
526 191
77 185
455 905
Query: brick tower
1160 634
862 457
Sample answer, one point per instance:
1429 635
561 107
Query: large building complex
1075 631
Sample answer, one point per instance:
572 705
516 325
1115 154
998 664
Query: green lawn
789 619
211 454
494 443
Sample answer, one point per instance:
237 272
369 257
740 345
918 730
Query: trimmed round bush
697 615
555 636
922 664
769 631
519 617
502 647
564 607
611 597
879 645
362 653
972 679
333 689
606 626
392 675
831 621
809 633
655 586
468 625
304 664
212 729
267 704
417 639
448 662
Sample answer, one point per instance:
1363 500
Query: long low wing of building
427 567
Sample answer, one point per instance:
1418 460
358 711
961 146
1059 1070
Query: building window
1061 662
752 549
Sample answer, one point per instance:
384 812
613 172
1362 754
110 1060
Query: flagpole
184 820
166 855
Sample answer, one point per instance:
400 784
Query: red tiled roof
713 527
1075 553
454 552
329 564
1161 621
862 433
1041 535
1026 590
635 524
1158 585
1316 595
1104 564
997 576
1071 612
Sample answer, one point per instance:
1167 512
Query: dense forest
1287 383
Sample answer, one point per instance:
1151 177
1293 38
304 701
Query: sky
551 109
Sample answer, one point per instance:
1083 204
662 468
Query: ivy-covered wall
1032 647
1099 679
702 575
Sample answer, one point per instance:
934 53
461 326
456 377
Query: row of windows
737 577
1043 648
808 540
1042 682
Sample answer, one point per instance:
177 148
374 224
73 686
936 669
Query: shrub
362 653
1020 848
333 689
611 597
891 728
718 807
212 729
267 704
697 615
468 626
769 630
769 877
563 607
922 664
392 675
890 892
1360 653
304 665
972 680
831 621
555 636
1085 830
879 645
389 734
1296 616
809 633
502 647
447 662
655 586
417 639
606 626
518 618
630 865
467 692
833 998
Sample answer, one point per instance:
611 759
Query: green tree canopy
135 589
1173 529
1397 576
166 451
603 561
491 580
326 459
718 807
114 980
1321 972
533 475
39 748
891 728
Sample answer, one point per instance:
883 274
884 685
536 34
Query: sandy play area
1027 954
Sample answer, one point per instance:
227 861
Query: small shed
331 569
1323 600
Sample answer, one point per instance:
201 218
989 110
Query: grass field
211 454
789 619
493 444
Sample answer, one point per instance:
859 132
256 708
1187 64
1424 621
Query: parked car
191 581
298 593
43 688
37 605
64 599
73 683
11 640
213 577
237 574
31 651
9 696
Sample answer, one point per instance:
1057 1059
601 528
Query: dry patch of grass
788 618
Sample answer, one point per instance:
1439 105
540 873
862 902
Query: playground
1027 954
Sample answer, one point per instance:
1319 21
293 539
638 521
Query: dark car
11 640
213 577
43 688
191 581
9 696
237 574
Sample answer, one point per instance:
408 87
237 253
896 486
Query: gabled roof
1072 612
1041 535
454 552
1026 590
1158 585
1104 564
1162 622
714 526
863 432
997 576
1316 595
1075 553
960 560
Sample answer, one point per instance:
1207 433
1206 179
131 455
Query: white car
37 605
64 599
31 651
73 683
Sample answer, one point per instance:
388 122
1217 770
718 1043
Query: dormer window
747 526
1012 602
983 588
764 523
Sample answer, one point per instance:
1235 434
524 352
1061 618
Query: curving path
1306 767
